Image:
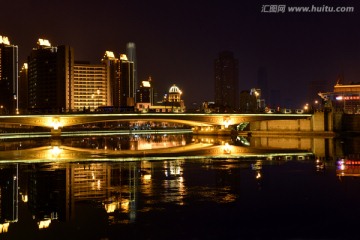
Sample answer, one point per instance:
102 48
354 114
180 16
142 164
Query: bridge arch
57 121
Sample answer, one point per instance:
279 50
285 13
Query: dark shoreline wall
350 123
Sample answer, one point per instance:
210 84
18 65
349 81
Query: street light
341 98
306 107
316 102
257 99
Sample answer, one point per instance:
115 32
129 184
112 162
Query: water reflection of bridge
163 147
65 177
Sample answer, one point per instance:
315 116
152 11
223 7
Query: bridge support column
55 132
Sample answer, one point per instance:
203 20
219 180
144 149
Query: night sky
177 41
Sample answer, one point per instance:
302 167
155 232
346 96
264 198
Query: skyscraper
23 89
113 78
90 86
144 94
131 55
226 82
127 83
51 77
8 76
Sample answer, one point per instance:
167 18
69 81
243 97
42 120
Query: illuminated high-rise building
112 65
90 86
50 77
23 89
127 83
144 94
8 77
131 55
226 81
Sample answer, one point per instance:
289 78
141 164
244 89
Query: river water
179 186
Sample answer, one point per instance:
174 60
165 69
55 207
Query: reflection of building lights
125 205
258 175
227 148
341 164
55 123
55 151
111 207
147 177
226 123
44 223
98 185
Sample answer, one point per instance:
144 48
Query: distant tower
8 76
262 83
131 55
226 81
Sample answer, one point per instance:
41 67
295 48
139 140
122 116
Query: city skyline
177 43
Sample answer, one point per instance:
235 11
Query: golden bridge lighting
227 148
55 151
55 123
226 122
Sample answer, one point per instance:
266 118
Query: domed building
174 94
173 101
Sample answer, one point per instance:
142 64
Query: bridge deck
191 119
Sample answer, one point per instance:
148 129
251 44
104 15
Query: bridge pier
55 132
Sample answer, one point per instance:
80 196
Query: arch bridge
57 121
